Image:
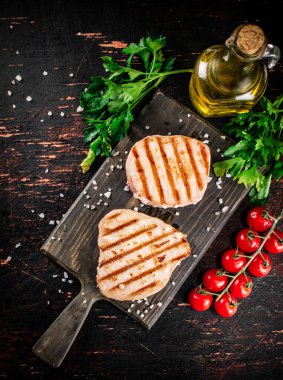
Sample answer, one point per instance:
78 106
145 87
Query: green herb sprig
108 103
257 157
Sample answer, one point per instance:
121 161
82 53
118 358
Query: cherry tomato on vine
274 244
260 265
241 287
247 240
214 280
199 299
258 219
226 306
232 261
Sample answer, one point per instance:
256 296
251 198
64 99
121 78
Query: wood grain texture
65 37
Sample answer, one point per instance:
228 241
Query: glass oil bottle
230 79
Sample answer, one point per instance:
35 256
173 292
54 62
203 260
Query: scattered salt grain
14 105
220 201
147 127
18 245
173 283
28 98
65 275
49 113
32 211
17 52
107 194
107 174
61 195
63 280
180 120
11 27
177 213
195 256
87 196
48 302
45 73
13 82
55 275
146 311
105 204
208 228
206 136
53 238
189 115
222 155
223 137
41 215
206 141
169 133
62 114
116 154
92 207
9 93
94 182
52 222
87 206
217 213
84 301
71 74
209 179
159 304
19 78
142 315
41 120
218 150
59 291
126 152
138 312
151 306
136 209
70 281
129 310
126 188
59 239
228 175
142 205
139 301
80 109
225 208
132 305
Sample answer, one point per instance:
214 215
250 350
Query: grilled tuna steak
138 253
168 171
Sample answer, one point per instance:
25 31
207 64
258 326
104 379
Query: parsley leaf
257 157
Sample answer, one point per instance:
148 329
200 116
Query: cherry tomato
258 219
226 306
274 244
199 299
247 240
241 287
214 280
260 267
232 262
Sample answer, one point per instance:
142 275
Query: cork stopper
250 39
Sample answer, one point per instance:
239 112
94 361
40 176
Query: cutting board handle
55 343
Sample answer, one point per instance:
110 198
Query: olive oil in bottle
230 79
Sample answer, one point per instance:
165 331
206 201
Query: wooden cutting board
73 243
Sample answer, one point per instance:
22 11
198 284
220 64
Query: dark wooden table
40 176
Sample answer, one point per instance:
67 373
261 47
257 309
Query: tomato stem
250 258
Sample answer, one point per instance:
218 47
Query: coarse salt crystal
228 175
126 188
87 206
11 27
220 201
9 93
65 274
177 213
52 222
41 120
222 155
13 82
116 154
61 195
206 136
70 281
18 245
138 312
225 208
132 305
32 211
169 133
223 137
218 150
80 109
126 152
71 74
92 207
107 174
14 105
173 283
59 239
59 291
63 280
180 120
17 52
142 315
217 213
62 114
159 304
87 196
206 141
208 228
142 205
84 192
189 115
105 204
136 209
53 238
139 301
94 182
41 215
146 311
84 301
45 73
48 302
28 98
209 179
19 78
49 113
55 275
107 194
151 306
129 310
147 127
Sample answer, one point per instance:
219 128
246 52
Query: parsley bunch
257 157
108 103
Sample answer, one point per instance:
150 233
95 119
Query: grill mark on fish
120 227
194 165
134 249
175 191
154 171
140 171
142 260
181 168
128 237
151 285
140 276
204 157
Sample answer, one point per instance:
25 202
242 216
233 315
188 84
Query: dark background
183 344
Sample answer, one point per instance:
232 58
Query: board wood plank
73 243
